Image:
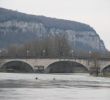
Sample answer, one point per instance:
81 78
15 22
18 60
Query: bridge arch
106 70
66 67
17 66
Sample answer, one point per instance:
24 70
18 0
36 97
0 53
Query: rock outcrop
17 28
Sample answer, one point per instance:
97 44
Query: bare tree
95 68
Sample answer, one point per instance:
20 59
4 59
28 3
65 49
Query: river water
53 87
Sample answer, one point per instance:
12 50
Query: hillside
19 28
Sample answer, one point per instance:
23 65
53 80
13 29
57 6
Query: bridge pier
95 71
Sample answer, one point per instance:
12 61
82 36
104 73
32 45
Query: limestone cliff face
20 28
88 38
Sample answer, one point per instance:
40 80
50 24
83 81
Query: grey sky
96 13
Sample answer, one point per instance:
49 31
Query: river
17 86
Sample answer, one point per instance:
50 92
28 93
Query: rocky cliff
19 28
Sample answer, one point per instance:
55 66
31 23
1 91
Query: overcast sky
96 13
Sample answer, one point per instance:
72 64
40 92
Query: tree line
49 46
54 46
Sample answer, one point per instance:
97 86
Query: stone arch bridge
53 65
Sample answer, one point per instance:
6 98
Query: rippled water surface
53 87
